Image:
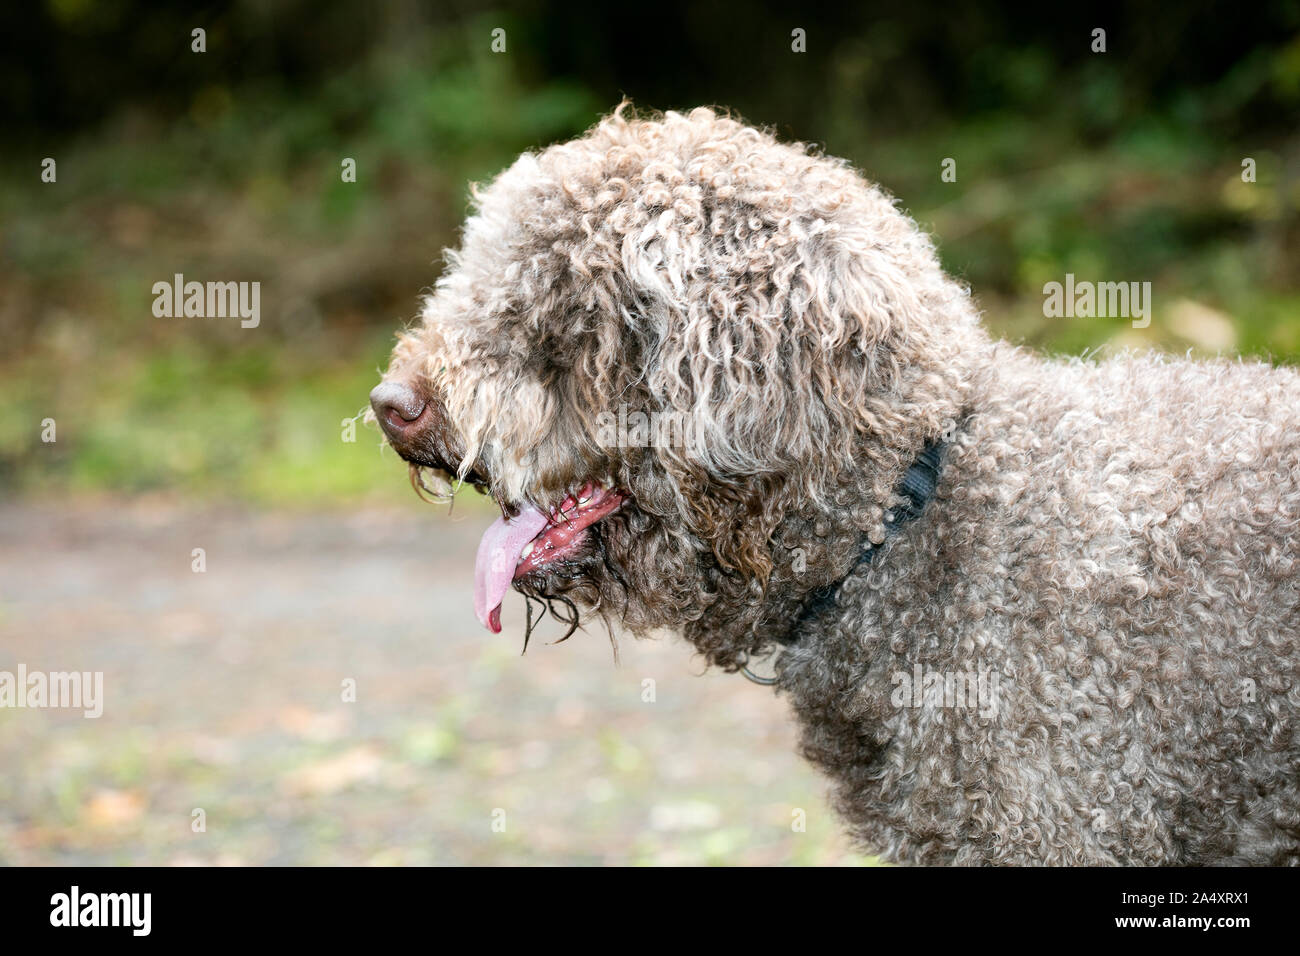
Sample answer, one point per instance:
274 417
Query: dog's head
689 363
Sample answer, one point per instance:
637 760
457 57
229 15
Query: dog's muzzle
402 412
416 425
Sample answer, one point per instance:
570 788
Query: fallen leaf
335 773
113 808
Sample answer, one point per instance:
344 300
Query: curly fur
1117 541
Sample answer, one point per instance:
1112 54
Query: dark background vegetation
223 687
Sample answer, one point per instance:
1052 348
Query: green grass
243 424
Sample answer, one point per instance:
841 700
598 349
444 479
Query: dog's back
1113 554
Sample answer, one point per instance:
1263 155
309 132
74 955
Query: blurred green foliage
1123 166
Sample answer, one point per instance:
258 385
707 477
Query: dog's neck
815 552
820 541
916 489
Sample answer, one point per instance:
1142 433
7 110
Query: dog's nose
399 409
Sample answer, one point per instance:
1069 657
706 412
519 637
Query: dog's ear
753 441
791 360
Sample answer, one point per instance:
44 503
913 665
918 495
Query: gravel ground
223 691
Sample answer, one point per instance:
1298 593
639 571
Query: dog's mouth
532 541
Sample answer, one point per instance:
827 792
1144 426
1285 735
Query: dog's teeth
583 501
528 549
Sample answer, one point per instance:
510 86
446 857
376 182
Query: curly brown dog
1027 611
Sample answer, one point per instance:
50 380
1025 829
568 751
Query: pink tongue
498 555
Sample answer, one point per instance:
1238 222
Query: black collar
917 487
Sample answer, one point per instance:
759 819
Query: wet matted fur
1112 546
